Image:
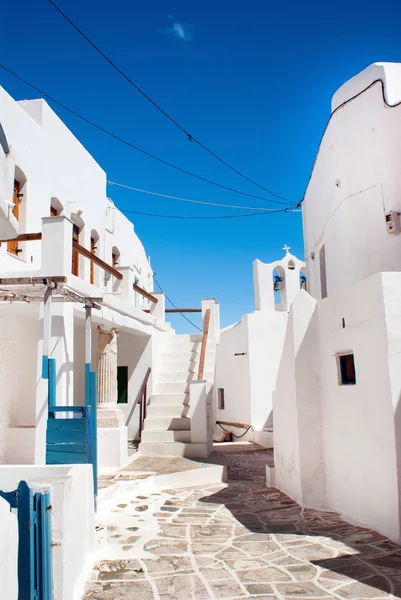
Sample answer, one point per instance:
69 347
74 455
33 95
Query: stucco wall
18 350
51 163
72 524
355 180
350 429
232 373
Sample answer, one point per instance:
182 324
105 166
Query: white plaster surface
72 522
355 181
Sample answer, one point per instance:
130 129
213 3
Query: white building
249 352
76 296
337 433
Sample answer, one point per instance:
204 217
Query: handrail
179 310
183 310
95 259
205 333
25 237
144 293
141 400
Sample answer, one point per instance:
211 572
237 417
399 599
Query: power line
123 141
134 189
264 212
190 137
172 304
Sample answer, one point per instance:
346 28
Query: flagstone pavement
239 540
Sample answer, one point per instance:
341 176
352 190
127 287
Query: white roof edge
389 73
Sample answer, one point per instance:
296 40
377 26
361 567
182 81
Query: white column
112 432
158 310
56 246
263 285
125 285
214 325
109 415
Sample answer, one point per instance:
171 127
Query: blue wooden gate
34 541
72 441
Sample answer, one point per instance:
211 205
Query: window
122 385
12 247
53 211
220 393
75 254
322 267
346 369
115 257
291 265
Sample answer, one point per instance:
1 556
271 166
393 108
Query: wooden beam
98 261
204 344
31 280
183 310
145 294
25 237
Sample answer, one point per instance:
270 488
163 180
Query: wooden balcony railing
96 260
140 400
146 294
205 334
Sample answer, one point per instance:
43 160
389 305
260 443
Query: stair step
166 410
171 387
157 399
166 436
171 375
171 449
167 423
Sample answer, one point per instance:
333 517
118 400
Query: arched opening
56 208
291 265
303 284
115 256
77 226
279 287
19 209
94 250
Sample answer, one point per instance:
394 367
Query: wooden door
12 247
75 255
93 251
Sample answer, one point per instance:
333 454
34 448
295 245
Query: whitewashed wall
232 373
351 430
248 356
52 164
355 180
72 524
8 551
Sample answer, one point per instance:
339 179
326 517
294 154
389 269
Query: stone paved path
239 540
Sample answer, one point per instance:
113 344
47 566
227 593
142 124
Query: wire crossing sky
252 81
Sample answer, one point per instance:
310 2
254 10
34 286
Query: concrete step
171 449
166 436
154 411
167 423
186 353
171 375
180 399
185 337
168 363
171 387
181 347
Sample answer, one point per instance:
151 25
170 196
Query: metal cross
287 248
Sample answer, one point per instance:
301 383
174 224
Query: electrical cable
238 437
190 137
256 214
172 303
129 187
127 143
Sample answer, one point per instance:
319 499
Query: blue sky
251 80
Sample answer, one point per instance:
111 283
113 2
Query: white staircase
167 427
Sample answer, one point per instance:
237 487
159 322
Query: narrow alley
231 540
